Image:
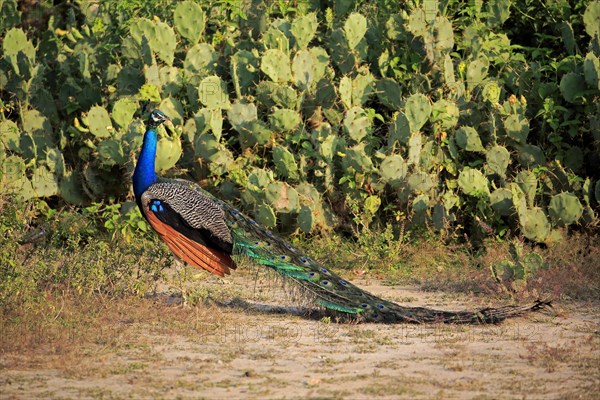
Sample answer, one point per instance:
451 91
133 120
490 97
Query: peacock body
209 233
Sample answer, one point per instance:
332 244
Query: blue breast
144 174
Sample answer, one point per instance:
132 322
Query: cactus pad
565 209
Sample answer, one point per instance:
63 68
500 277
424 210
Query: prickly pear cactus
357 123
397 115
565 209
15 43
534 224
501 201
276 65
304 70
473 182
355 28
304 29
591 16
468 139
168 152
497 159
189 20
244 71
528 184
418 108
284 120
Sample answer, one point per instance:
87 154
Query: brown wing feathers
190 251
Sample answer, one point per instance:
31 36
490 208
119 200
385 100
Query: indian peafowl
206 232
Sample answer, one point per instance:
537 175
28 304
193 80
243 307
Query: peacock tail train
207 232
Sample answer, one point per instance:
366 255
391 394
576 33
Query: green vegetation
432 120
72 253
438 112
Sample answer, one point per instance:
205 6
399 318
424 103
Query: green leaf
591 69
591 18
242 113
304 29
321 59
123 111
158 35
55 161
372 204
266 216
418 109
200 60
284 120
189 20
572 87
276 65
417 23
306 219
420 203
282 197
44 182
565 209
357 123
355 28
362 87
111 152
420 182
415 145
528 182
15 42
444 114
165 42
303 67
149 93
285 163
389 93
212 93
473 182
517 128
167 153
10 135
399 131
99 122
13 169
498 11
9 14
393 170
477 71
501 201
497 159
173 108
345 89
468 139
244 71
356 157
534 224
530 156
70 188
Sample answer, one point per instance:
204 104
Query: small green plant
45 249
512 273
337 99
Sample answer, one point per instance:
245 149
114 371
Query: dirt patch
148 348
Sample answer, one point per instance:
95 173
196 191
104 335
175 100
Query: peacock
208 233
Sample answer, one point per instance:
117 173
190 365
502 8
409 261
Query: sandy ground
216 351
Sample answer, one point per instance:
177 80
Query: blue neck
144 174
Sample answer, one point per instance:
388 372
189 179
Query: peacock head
156 118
